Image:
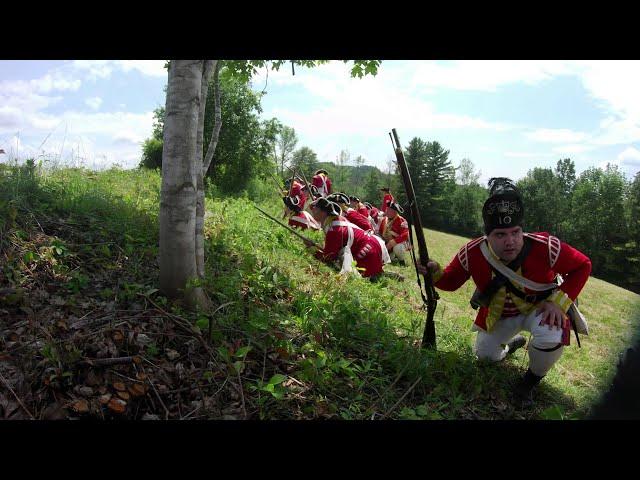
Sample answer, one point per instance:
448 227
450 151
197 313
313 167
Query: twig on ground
244 410
17 398
108 362
401 398
166 410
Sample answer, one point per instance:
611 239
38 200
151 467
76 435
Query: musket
429 336
304 179
277 183
289 228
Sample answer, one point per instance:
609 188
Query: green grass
315 345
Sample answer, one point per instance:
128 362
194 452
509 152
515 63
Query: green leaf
202 323
242 352
277 379
238 366
422 411
552 413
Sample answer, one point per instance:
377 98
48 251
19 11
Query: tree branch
217 125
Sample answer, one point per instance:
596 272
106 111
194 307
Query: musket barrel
429 337
287 227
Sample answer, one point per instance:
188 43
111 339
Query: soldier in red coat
358 206
394 229
297 217
354 243
295 187
322 182
349 213
375 217
387 198
525 297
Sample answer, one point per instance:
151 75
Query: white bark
180 168
217 124
209 66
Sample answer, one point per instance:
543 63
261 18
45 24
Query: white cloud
93 102
556 135
485 75
629 157
573 148
525 155
102 69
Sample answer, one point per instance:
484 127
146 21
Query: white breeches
399 250
490 346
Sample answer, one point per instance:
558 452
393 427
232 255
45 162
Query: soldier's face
318 214
390 212
506 242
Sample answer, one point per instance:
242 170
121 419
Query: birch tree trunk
180 169
209 66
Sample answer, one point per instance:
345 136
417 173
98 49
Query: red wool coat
357 219
386 200
304 220
296 189
548 256
399 226
323 183
366 250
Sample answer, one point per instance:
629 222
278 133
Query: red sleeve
453 276
333 242
403 231
328 185
575 267
357 219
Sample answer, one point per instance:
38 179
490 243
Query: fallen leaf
118 336
81 406
123 395
117 405
104 399
137 390
141 376
120 386
172 354
150 416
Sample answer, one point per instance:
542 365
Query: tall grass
351 343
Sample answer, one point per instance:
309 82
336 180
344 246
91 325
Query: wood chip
117 405
137 390
81 406
123 395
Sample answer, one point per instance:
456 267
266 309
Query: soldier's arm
575 268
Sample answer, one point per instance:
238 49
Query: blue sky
505 116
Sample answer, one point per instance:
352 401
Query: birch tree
183 168
182 207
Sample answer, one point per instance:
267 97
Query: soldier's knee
489 354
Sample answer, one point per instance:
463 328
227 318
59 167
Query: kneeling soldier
518 303
298 217
344 237
395 231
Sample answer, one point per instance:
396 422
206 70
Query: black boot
523 390
515 343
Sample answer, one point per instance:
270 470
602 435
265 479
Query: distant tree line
597 211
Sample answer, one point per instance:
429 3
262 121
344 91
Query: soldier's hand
552 315
433 266
309 244
391 244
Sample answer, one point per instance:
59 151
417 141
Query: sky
507 117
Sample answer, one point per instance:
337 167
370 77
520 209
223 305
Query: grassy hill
289 339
